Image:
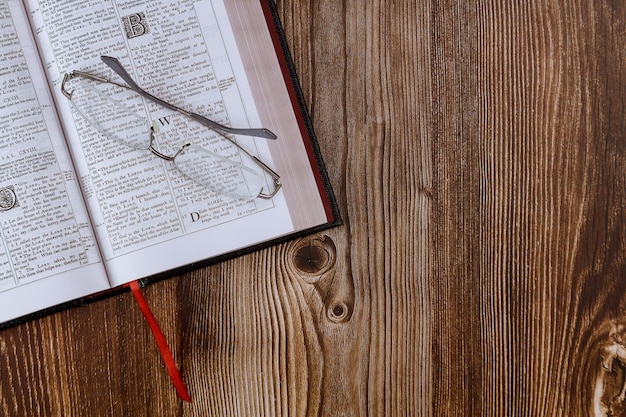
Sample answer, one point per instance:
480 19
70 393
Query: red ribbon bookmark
172 369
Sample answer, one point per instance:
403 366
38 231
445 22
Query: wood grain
478 152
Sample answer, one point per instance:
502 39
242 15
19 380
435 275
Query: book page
148 216
48 253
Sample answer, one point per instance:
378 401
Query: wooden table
478 152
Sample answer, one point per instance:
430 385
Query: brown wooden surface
478 151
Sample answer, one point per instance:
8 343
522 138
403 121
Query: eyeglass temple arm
116 66
71 75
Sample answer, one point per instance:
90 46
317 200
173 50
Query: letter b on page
135 25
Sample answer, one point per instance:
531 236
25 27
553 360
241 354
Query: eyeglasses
236 174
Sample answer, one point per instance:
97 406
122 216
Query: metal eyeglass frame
116 66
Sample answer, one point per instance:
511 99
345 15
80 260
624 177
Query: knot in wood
314 256
610 384
338 313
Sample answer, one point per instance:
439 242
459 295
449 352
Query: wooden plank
478 155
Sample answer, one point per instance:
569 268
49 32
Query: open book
81 213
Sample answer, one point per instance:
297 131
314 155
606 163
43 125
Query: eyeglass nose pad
184 144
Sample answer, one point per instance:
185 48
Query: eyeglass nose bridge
155 152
